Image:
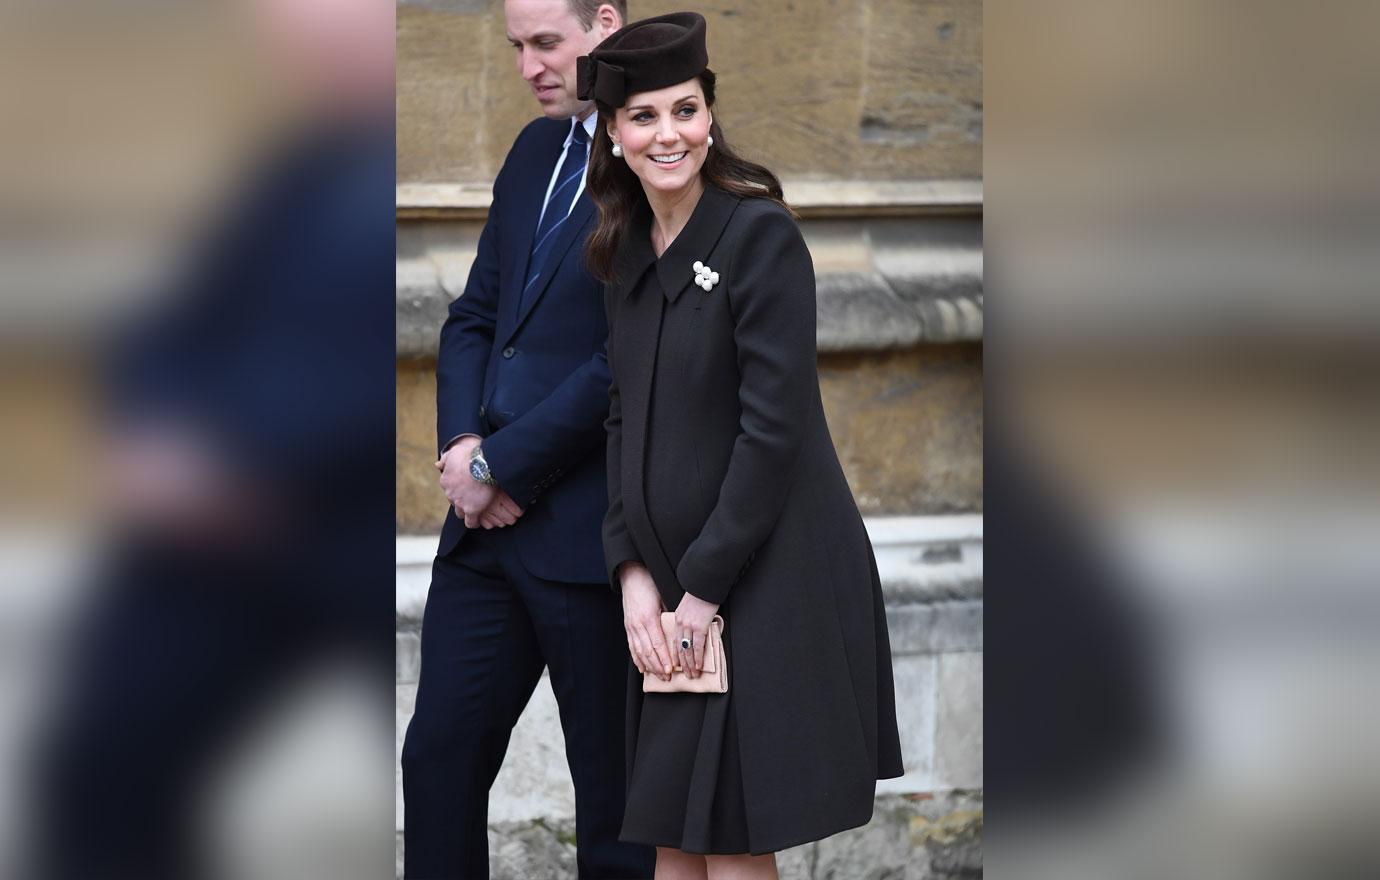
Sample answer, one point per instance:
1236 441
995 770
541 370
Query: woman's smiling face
664 135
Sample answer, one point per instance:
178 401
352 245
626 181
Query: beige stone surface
922 98
907 424
908 427
460 101
421 508
815 89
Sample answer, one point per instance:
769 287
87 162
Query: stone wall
818 89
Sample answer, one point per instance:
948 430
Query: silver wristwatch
479 468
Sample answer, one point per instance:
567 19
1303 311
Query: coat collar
675 267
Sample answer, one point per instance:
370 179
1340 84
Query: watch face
478 471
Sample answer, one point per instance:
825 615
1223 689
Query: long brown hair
617 191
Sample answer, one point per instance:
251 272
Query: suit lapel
570 230
529 195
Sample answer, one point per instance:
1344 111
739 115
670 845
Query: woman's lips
675 164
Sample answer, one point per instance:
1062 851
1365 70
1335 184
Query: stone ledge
930 566
810 198
937 628
868 311
857 311
921 559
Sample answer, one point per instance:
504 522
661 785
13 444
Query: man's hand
502 511
468 496
642 621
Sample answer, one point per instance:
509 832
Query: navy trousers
489 629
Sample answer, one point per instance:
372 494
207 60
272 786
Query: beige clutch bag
714 678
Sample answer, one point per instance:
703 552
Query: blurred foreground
1183 484
196 319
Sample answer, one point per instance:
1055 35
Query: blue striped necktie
557 207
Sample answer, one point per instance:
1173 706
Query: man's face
547 38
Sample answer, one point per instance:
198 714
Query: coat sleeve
532 452
467 337
771 290
618 544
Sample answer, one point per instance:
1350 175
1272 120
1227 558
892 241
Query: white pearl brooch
705 277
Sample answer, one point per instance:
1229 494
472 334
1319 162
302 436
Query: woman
726 496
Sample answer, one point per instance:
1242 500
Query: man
519 581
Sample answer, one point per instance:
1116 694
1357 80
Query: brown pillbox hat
649 54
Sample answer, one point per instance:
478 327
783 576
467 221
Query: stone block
537 848
448 56
926 560
908 427
878 850
858 312
404 699
798 862
418 314
534 782
916 684
420 505
935 628
945 834
922 103
407 659
912 837
414 556
958 726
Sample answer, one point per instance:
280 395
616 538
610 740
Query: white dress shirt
589 123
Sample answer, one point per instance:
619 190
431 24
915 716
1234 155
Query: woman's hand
642 621
693 617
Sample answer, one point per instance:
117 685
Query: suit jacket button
482 413
509 351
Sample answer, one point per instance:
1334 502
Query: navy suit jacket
547 449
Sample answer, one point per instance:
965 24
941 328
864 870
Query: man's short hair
585 10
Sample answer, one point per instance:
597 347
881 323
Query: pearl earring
711 140
617 151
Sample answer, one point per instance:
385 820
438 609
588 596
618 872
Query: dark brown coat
739 498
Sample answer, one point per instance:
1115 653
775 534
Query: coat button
509 351
482 413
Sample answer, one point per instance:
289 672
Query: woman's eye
642 117
687 112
